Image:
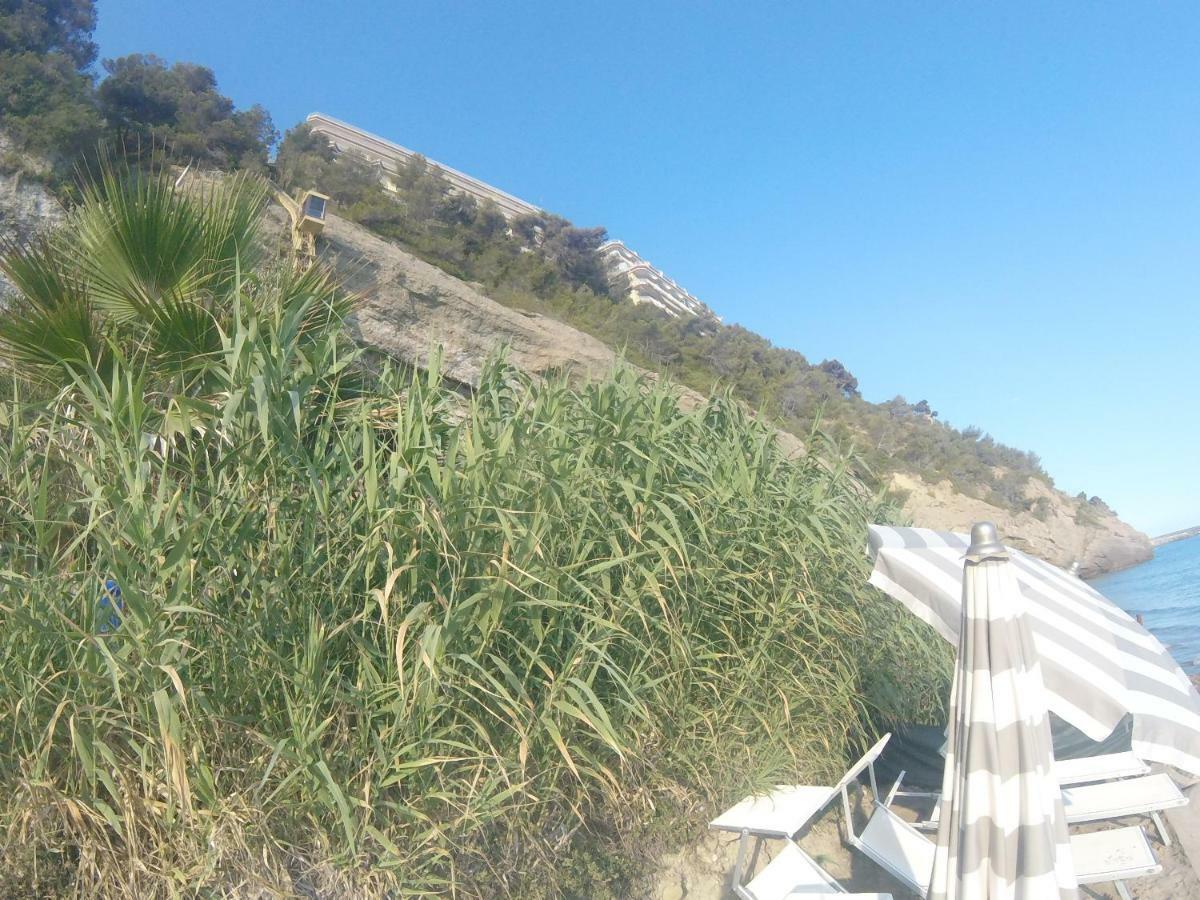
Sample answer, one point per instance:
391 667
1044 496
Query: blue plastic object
110 601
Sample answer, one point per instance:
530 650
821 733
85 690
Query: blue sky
996 208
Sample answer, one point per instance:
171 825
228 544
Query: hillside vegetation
52 103
543 264
273 622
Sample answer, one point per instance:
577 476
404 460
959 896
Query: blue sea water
1166 591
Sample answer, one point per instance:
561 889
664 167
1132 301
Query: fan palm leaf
231 215
142 263
139 241
49 325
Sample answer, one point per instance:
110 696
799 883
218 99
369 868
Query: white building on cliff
646 283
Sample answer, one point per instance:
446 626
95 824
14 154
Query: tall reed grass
383 640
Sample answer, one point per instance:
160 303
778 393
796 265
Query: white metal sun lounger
1146 795
1082 770
779 814
1115 854
794 875
783 813
904 852
894 845
1105 767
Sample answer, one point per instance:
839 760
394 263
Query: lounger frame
881 807
1090 810
867 849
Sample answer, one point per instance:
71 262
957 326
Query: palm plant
151 272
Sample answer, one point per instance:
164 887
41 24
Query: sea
1166 592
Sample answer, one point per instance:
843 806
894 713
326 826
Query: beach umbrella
1097 662
1002 833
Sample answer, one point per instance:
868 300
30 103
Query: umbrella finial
985 543
1074 569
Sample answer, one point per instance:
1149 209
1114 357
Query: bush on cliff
279 629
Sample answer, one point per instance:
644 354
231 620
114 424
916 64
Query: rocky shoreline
1172 537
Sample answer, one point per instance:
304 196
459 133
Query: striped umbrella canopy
1097 662
1002 833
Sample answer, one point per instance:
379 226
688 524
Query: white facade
391 156
646 283
649 285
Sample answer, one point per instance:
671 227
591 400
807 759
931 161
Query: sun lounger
779 814
893 844
794 875
1115 855
783 813
1105 767
1146 795
896 847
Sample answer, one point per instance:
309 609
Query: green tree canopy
147 103
841 376
46 101
49 26
306 160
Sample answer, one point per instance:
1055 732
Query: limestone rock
409 306
1063 533
26 205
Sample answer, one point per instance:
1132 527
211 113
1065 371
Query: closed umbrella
1097 662
1002 833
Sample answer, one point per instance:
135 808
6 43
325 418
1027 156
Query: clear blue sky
996 208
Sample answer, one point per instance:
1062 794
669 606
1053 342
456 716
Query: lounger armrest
895 787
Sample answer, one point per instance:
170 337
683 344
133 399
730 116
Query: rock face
1067 529
26 207
409 307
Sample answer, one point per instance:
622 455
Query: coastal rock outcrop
1063 529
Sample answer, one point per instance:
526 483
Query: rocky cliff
1063 530
26 206
408 306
